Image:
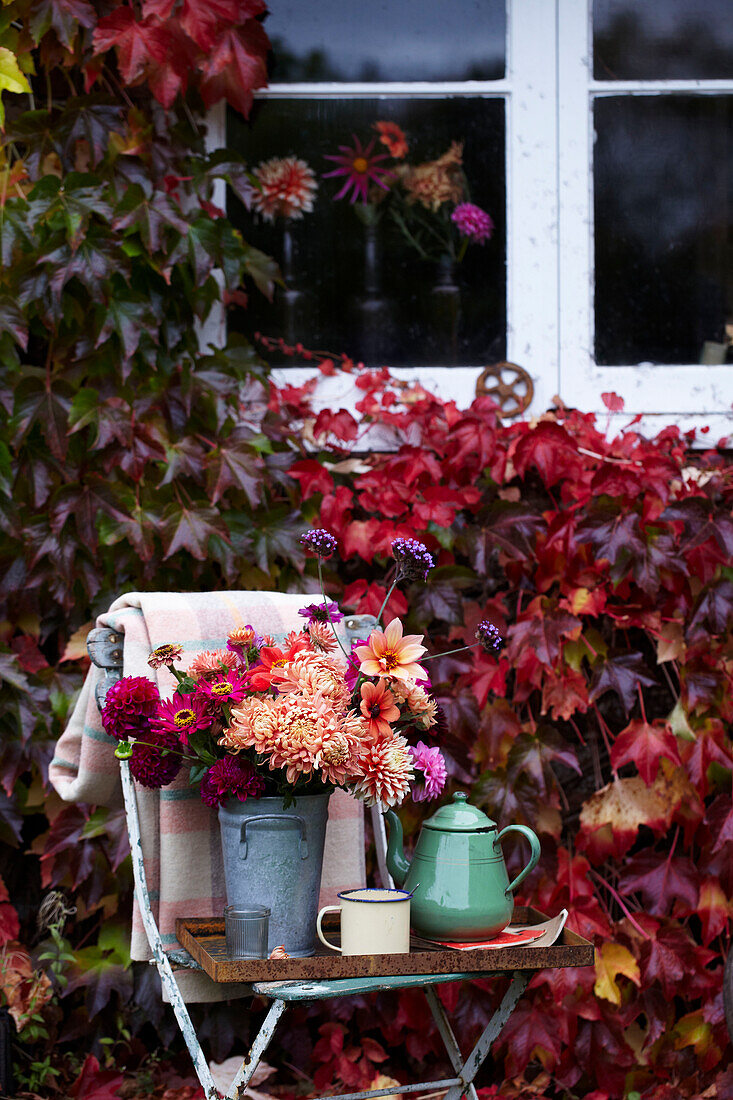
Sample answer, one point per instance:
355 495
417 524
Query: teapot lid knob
460 796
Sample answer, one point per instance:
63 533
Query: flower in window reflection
393 136
362 167
437 181
287 187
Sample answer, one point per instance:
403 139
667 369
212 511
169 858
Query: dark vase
293 298
374 311
445 312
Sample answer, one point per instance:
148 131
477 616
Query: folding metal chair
106 652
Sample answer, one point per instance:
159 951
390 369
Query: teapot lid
459 817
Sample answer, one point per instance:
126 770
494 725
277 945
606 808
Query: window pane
663 180
387 40
662 40
366 289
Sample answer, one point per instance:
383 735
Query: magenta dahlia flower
360 166
472 222
322 612
430 762
231 777
156 759
182 715
226 688
129 706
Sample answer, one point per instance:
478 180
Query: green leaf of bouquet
262 269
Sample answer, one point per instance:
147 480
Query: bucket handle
272 817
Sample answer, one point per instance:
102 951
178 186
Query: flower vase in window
287 187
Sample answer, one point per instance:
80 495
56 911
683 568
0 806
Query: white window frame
548 92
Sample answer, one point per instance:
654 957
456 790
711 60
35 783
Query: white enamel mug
373 922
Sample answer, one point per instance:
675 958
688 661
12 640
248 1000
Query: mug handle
534 857
321 937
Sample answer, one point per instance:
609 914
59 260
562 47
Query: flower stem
328 613
386 598
449 652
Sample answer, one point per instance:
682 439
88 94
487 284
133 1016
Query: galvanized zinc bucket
273 857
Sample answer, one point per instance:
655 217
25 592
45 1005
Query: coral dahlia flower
287 188
361 166
392 135
378 707
309 674
322 637
387 767
209 663
273 657
388 653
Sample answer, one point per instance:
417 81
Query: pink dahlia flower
430 762
156 760
129 706
287 188
225 688
182 715
231 777
361 166
472 222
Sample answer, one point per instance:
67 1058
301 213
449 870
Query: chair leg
482 1048
446 1032
162 961
249 1065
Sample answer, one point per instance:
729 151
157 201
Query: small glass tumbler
246 928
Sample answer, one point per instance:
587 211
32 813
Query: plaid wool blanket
180 834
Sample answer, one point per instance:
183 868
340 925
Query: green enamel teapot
458 878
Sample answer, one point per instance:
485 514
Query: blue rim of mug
345 895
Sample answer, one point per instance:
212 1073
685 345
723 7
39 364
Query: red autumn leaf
341 424
713 910
671 958
64 16
541 630
235 67
662 882
138 44
613 402
312 477
711 746
367 600
610 818
622 673
94 1083
551 451
9 923
29 655
203 20
532 1032
644 744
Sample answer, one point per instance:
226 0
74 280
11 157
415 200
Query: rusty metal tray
204 940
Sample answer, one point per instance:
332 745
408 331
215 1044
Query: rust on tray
204 940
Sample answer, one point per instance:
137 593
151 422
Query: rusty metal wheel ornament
509 385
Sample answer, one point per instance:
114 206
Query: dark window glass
380 40
662 40
364 289
663 181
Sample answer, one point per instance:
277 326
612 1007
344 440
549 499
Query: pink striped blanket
180 834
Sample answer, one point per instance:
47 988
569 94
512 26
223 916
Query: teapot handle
534 857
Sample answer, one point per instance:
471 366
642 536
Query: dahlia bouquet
428 201
259 719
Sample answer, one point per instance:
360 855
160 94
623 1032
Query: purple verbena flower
413 558
322 612
129 705
319 542
489 637
351 672
156 758
430 762
472 222
231 777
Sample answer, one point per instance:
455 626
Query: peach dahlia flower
310 673
208 664
387 766
388 653
377 706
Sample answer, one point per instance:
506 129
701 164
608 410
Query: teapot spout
397 865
